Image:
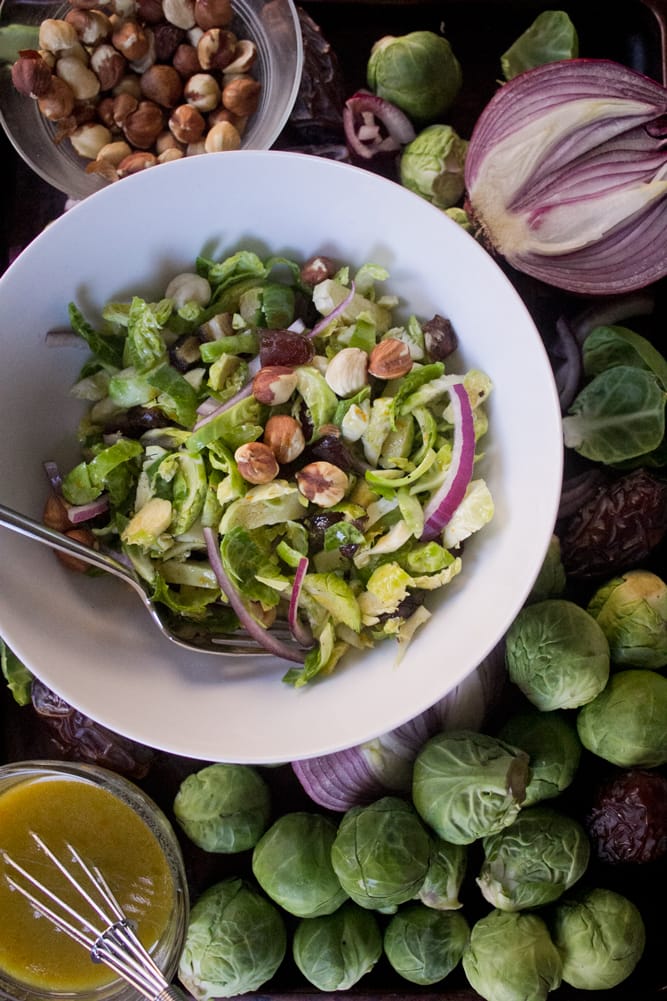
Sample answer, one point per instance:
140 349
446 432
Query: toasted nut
195 149
142 127
186 124
390 359
256 462
167 155
72 562
346 372
131 39
130 84
202 91
91 26
58 102
141 64
89 139
150 11
84 83
244 57
322 483
241 96
31 75
135 162
56 35
123 106
222 136
213 13
216 48
317 269
163 85
274 384
180 12
284 436
222 115
55 514
186 61
108 64
166 141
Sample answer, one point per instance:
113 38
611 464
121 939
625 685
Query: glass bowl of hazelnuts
92 91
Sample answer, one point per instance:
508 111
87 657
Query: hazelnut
143 126
274 384
195 149
221 137
241 96
105 112
180 12
57 36
162 84
346 372
123 106
108 65
130 84
112 153
55 514
135 162
317 270
131 40
213 13
87 140
244 57
390 359
91 26
31 75
256 462
84 83
85 536
186 61
216 48
121 9
284 436
322 483
186 124
167 39
222 115
150 11
58 102
144 62
168 155
166 141
202 91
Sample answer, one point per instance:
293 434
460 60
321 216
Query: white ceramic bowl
91 639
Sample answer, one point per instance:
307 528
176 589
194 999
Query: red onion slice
78 513
444 502
300 632
263 636
373 125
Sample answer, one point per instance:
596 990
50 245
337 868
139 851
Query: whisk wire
115 944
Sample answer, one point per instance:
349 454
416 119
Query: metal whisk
112 940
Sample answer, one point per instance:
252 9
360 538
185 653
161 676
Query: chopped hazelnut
284 436
256 462
274 384
390 359
322 483
346 372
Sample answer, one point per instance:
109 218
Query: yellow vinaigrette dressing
108 834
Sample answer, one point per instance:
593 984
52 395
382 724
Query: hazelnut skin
31 75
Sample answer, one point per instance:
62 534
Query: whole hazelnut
167 39
142 127
135 162
114 152
91 26
284 436
31 75
56 35
390 359
87 140
131 40
130 84
108 65
83 81
180 12
105 112
150 11
170 154
58 102
123 106
85 536
162 84
346 372
241 95
186 60
55 514
317 270
222 136
166 141
202 91
256 462
186 124
322 483
216 48
213 13
244 57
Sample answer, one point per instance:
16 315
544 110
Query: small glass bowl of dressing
113 825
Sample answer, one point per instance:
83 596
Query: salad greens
176 418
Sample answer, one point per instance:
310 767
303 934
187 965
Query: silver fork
236 644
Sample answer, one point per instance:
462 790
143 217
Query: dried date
285 347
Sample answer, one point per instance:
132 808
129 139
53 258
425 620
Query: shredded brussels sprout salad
269 444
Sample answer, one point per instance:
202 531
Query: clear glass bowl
168 946
272 24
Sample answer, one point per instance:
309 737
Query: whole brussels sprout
335 951
554 749
627 723
292 864
510 957
632 612
422 945
557 654
551 579
551 37
432 165
417 72
534 861
381 854
235 942
466 785
600 936
446 871
223 808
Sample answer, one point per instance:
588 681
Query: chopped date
618 527
627 821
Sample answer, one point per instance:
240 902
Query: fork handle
35 530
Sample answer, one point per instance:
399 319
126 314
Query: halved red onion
373 125
566 175
263 636
444 502
299 630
